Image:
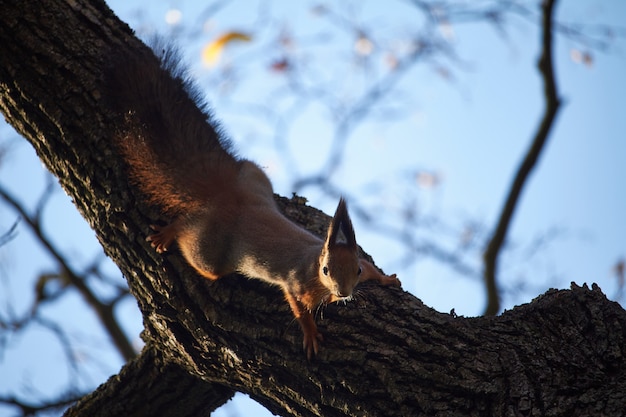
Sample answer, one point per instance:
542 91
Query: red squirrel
224 217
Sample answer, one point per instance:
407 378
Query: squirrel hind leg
163 237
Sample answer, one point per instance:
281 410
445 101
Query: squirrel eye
325 270
360 270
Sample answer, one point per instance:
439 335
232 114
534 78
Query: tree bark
386 353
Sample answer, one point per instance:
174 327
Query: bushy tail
176 153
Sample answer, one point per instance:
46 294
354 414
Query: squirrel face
339 268
339 271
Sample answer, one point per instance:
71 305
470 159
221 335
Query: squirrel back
177 153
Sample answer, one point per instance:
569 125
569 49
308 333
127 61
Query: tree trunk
383 354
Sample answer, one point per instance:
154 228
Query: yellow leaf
213 51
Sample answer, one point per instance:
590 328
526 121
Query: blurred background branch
546 68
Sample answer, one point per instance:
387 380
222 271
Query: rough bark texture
385 354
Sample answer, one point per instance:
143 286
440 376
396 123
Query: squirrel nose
343 292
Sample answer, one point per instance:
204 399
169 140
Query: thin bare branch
551 95
29 408
9 234
103 310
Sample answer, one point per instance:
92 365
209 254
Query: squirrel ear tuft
341 223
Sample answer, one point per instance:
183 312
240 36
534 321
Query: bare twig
28 408
546 69
103 310
10 234
360 110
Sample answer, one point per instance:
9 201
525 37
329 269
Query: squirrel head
339 268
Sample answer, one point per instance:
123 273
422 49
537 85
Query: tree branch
29 408
552 101
9 234
177 393
104 311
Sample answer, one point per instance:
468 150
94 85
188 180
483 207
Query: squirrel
224 217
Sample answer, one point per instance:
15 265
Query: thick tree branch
552 101
177 393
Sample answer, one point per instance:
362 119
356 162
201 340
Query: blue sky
472 130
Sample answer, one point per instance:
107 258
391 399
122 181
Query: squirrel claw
311 343
161 239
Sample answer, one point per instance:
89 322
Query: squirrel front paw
370 273
311 343
390 280
312 338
